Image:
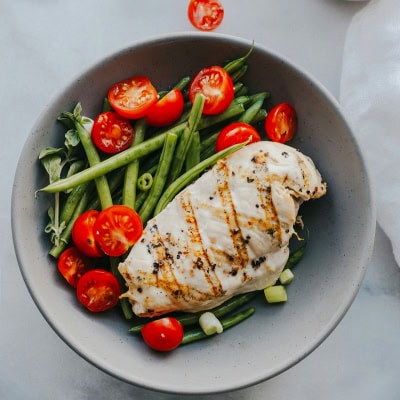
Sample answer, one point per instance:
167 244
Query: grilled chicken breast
227 233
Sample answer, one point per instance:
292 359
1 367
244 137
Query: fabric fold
370 96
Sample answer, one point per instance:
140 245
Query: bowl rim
97 361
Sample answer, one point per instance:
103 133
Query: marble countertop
44 44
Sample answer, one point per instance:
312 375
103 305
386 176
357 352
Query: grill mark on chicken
270 223
201 260
163 270
241 257
303 169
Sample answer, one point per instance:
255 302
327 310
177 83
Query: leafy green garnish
63 162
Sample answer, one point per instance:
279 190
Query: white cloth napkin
370 95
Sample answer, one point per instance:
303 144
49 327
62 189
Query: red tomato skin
112 133
235 133
216 85
167 110
205 15
132 97
163 334
98 290
83 234
72 264
281 123
117 228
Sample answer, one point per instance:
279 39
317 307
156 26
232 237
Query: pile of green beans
159 163
157 166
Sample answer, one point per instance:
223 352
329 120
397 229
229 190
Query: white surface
43 45
370 93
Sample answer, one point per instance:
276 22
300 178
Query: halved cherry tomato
281 123
235 133
72 264
216 85
83 234
205 15
163 334
133 97
167 110
117 228
98 290
111 132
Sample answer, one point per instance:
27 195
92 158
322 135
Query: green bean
230 305
149 164
145 181
182 84
295 256
93 157
243 91
251 112
160 178
112 163
207 152
162 93
235 109
245 100
115 180
260 116
188 176
186 137
259 96
237 75
228 322
209 141
238 63
140 198
71 202
132 170
237 87
193 154
106 105
188 319
123 302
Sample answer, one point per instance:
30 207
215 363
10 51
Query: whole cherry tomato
216 85
163 334
133 97
111 132
235 133
167 110
83 234
98 290
281 123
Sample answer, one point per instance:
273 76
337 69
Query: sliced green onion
286 276
210 324
275 294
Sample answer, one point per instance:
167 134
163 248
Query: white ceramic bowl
341 229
